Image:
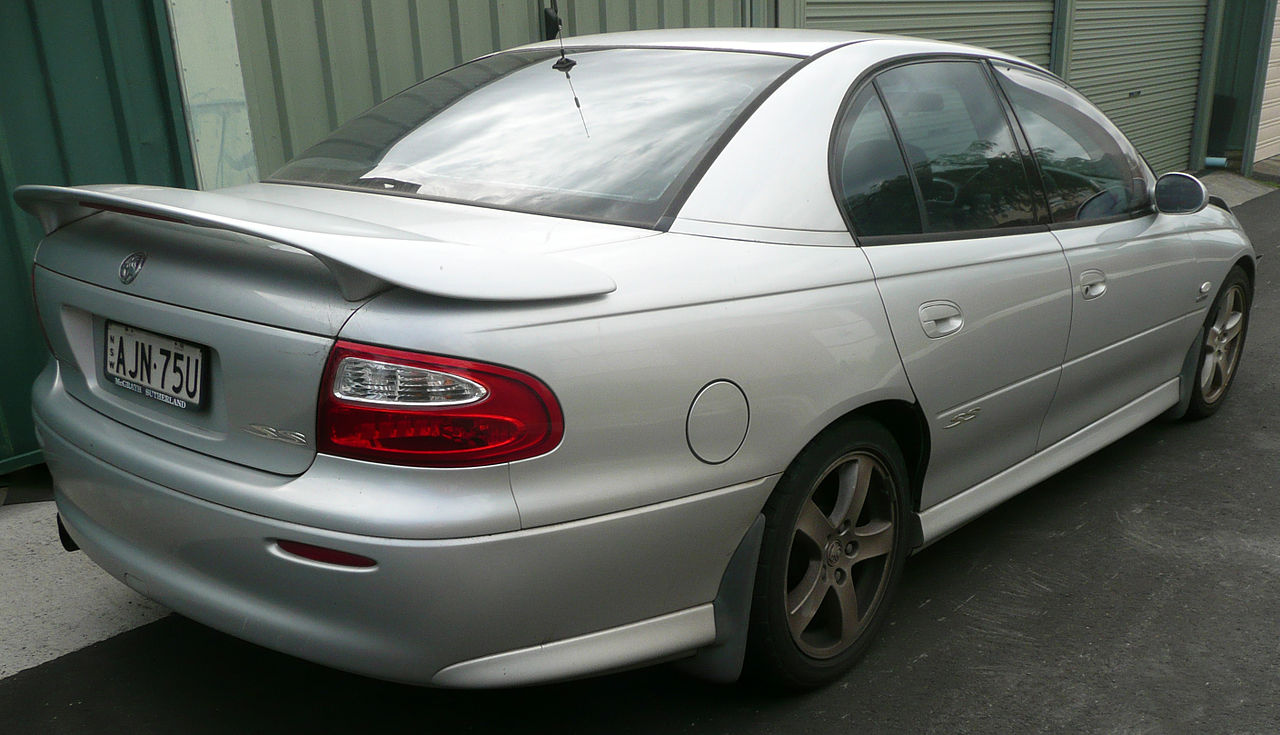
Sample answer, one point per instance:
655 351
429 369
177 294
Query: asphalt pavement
1137 591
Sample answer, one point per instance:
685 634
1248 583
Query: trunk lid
259 288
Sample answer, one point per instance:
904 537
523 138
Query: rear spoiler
364 257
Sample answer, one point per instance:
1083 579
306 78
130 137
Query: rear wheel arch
910 429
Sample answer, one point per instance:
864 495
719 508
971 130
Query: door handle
940 318
1093 283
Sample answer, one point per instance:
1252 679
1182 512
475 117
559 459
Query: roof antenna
554 25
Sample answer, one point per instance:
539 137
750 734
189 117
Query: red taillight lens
408 408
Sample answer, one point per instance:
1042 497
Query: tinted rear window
506 131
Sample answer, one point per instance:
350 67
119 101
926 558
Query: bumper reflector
325 556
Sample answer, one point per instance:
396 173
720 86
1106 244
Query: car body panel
427 604
1000 368
205 269
364 256
387 502
1134 336
253 374
945 517
799 329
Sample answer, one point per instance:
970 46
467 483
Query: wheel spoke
1220 321
847 597
1206 372
1235 322
874 539
814 524
855 480
804 600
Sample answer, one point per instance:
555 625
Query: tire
835 542
1225 329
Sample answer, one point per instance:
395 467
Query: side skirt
954 512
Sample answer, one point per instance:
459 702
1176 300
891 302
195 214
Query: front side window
612 140
970 172
1089 170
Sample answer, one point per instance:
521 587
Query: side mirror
1179 193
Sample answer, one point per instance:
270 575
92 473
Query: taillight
409 408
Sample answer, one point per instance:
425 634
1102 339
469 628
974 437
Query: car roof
789 41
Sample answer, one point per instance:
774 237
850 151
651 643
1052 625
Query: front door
1136 301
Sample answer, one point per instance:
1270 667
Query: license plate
153 365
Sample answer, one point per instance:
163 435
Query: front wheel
834 546
1225 330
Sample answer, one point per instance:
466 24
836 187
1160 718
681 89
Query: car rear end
223 441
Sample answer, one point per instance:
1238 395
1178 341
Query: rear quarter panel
800 329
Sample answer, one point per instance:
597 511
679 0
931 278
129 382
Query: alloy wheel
840 555
1222 345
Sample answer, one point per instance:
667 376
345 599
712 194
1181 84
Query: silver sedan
657 345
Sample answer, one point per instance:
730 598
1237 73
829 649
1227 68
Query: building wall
310 65
1269 120
1020 27
1139 61
90 96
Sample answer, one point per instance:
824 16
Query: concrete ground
1268 169
1134 592
52 602
1234 188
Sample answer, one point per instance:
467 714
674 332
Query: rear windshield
612 140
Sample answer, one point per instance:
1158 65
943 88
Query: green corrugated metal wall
90 95
310 65
1139 60
1020 27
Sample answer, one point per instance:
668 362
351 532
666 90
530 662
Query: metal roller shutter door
311 66
1139 60
1020 27
1269 120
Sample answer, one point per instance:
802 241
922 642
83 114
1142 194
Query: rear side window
970 172
612 140
1090 171
875 189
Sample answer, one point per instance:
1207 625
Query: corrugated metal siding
1269 121
1020 27
310 65
90 96
1139 60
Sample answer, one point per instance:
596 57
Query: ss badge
962 417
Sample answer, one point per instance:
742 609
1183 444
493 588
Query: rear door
975 286
1136 300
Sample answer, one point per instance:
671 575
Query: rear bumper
499 609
